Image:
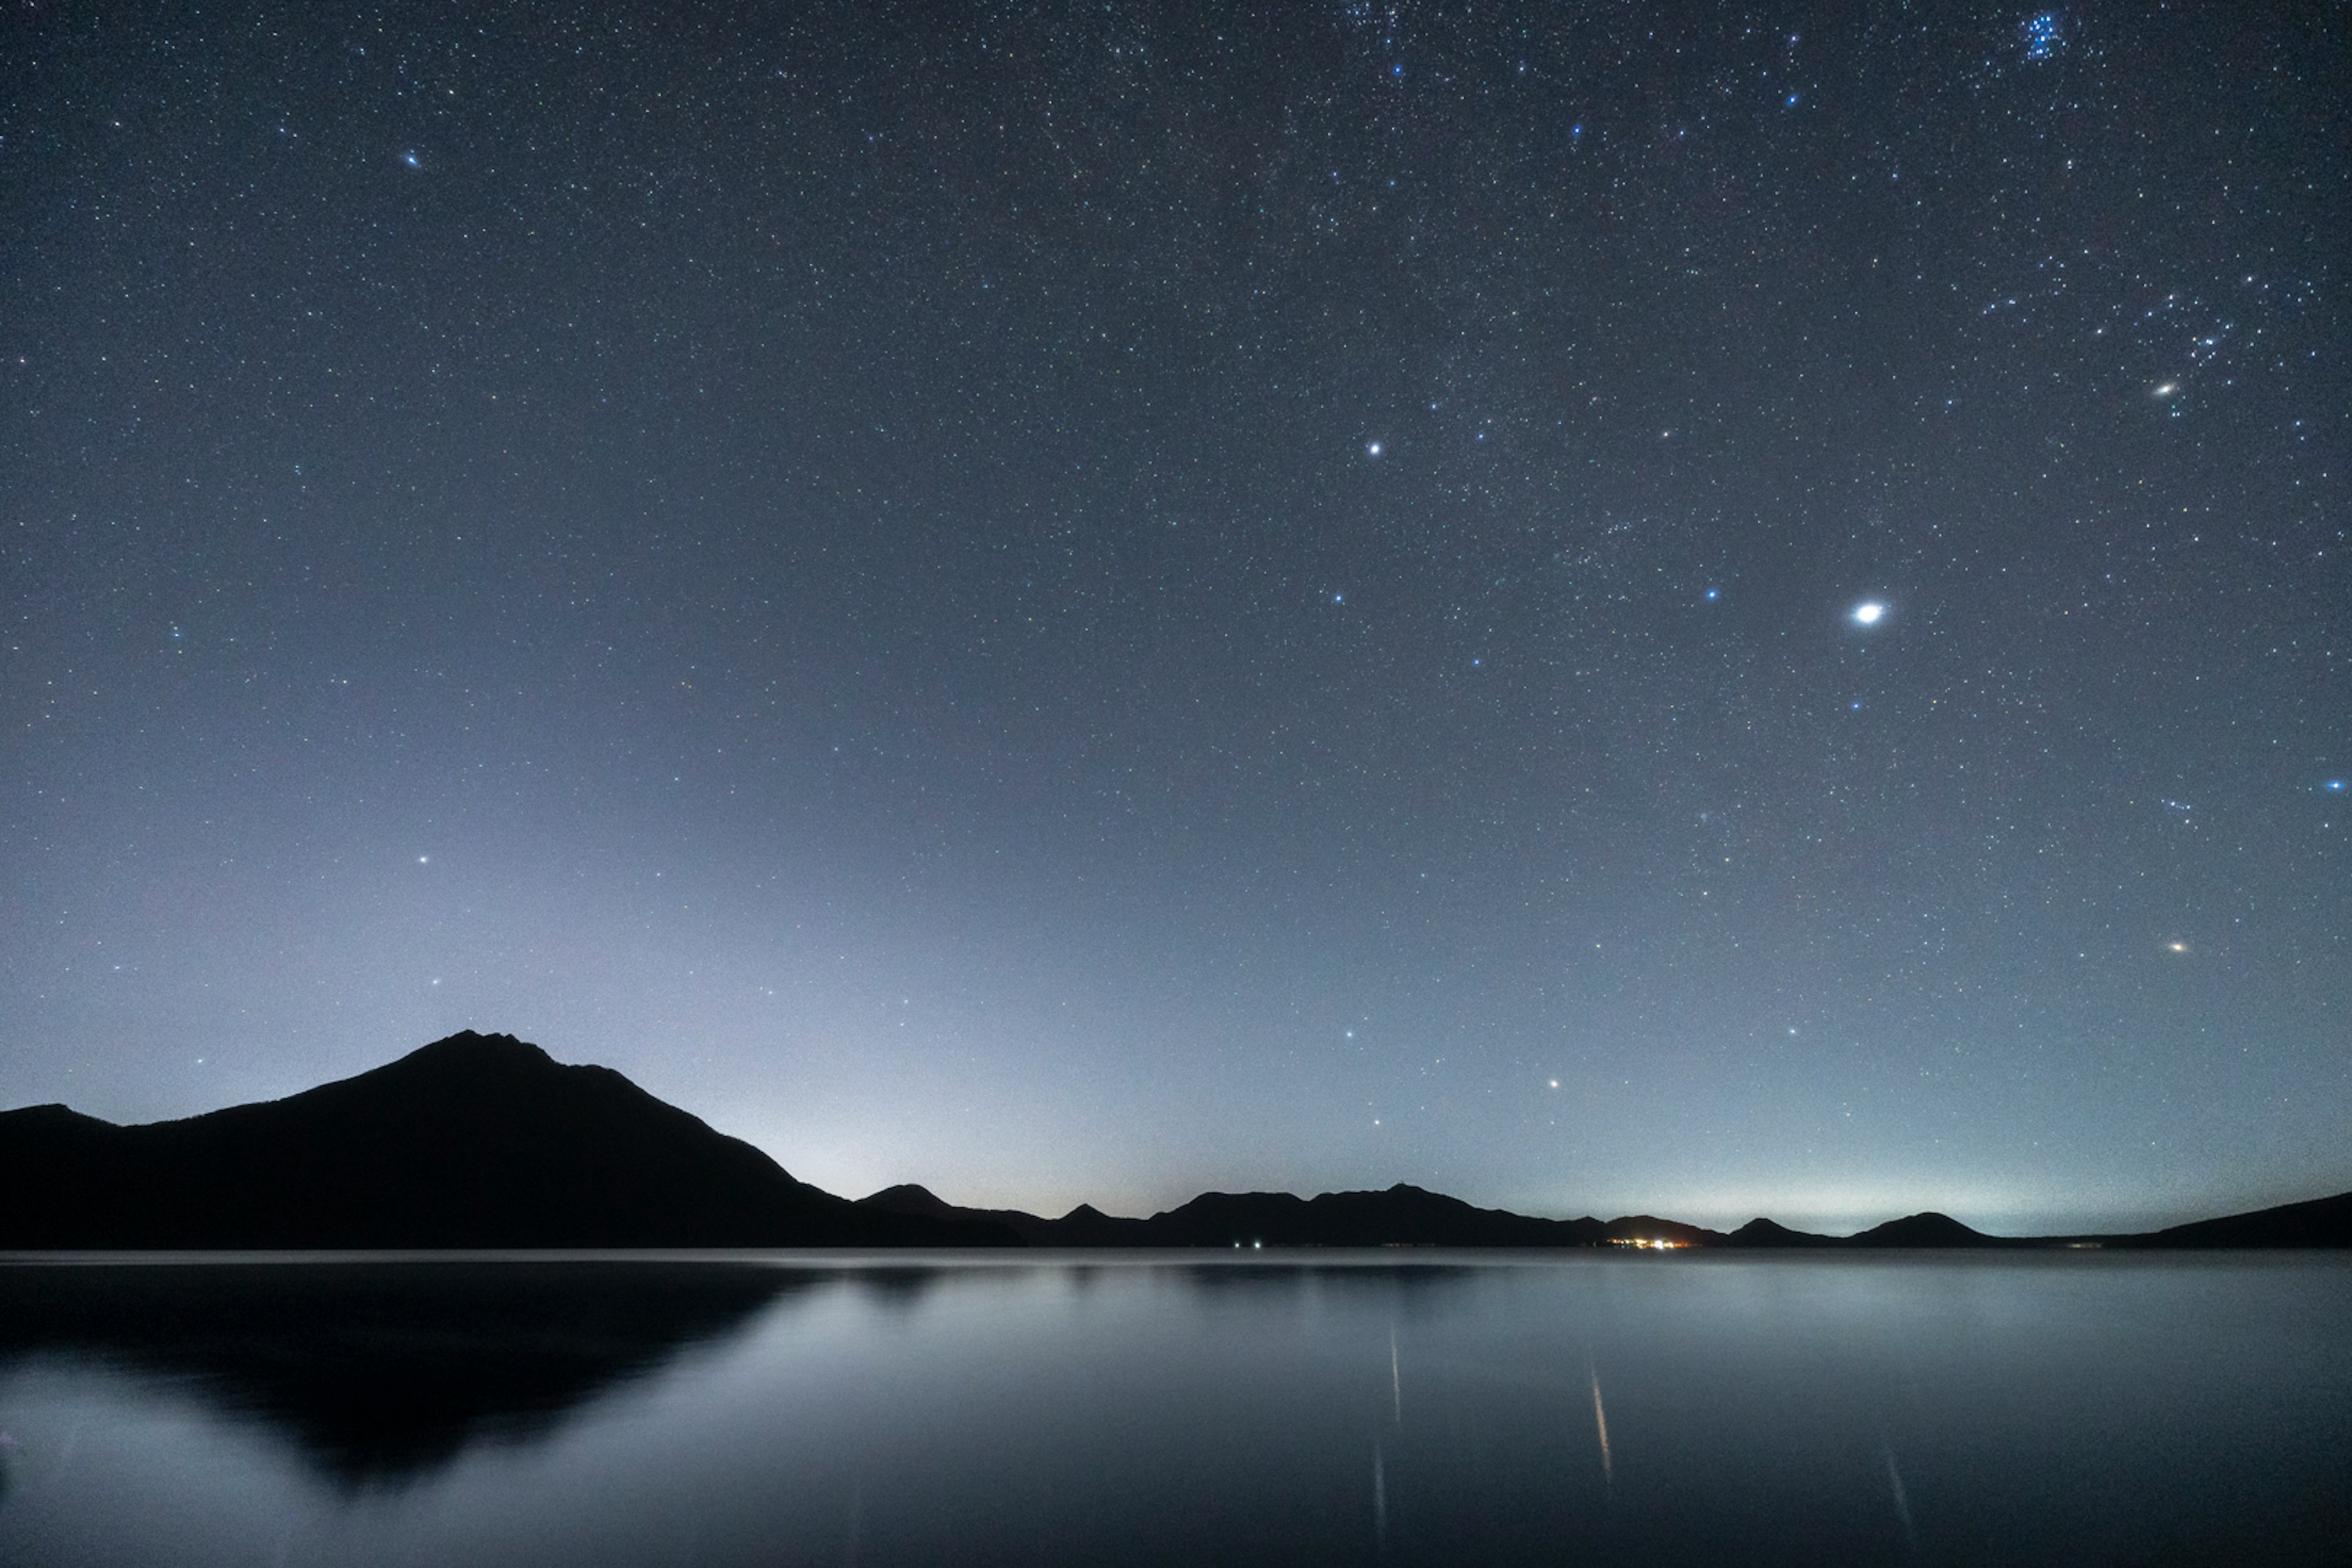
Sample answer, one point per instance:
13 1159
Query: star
1372 448
1869 613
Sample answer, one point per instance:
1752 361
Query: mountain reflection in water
1104 1408
381 1370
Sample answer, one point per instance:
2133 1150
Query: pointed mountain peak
470 1048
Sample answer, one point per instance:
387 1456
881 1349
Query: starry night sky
1092 602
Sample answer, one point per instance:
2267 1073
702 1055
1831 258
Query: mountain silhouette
2321 1222
476 1140
484 1142
1085 1225
1928 1229
1761 1232
1651 1228
1403 1215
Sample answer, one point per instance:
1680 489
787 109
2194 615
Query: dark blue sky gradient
1085 604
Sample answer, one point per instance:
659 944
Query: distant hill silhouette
1928 1229
1651 1228
1085 1225
2321 1222
484 1142
1402 1216
1771 1233
476 1140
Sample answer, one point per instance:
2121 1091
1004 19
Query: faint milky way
1091 602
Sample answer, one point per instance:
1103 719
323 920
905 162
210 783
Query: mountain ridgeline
482 1141
478 1141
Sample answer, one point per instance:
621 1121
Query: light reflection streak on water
1600 1423
1902 1500
1396 1379
1380 1500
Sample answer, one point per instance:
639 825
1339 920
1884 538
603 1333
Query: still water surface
1057 1408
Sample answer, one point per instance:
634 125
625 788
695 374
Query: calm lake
1321 1407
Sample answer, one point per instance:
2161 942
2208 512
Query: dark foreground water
1335 1408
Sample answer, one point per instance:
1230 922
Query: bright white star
1869 614
1371 448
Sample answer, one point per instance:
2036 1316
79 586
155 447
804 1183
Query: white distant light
1869 614
2167 390
1371 448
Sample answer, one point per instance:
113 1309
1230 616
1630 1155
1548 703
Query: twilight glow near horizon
1597 608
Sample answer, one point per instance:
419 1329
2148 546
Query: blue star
410 159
